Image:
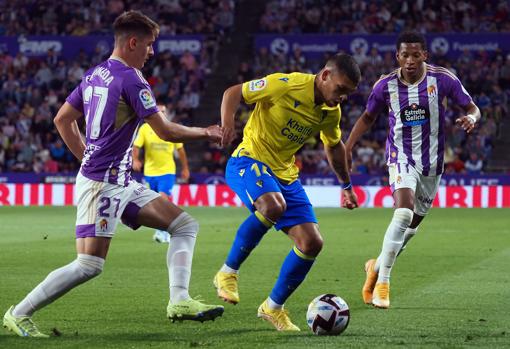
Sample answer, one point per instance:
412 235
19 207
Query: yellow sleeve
140 137
331 135
178 146
269 88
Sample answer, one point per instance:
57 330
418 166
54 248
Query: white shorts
101 205
424 187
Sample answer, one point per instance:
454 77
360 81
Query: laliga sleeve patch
146 98
257 85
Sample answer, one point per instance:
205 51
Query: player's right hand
229 133
137 165
214 133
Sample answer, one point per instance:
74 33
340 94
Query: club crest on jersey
103 224
414 115
432 91
146 98
257 85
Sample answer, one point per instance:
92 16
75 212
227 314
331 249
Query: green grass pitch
450 289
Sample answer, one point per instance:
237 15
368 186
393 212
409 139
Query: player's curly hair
134 23
346 64
410 37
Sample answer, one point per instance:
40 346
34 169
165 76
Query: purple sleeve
376 103
76 98
458 93
139 96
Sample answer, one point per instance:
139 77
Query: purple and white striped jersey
114 99
417 116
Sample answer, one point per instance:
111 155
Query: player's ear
325 73
425 55
132 42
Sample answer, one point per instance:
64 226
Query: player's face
141 47
335 87
410 58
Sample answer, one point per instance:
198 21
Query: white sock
392 243
408 235
59 282
183 231
226 269
273 305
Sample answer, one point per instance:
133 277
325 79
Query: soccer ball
328 314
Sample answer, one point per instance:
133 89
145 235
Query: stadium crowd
371 17
85 17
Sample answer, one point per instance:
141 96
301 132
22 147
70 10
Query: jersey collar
117 58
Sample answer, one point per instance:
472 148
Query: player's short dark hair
134 23
409 37
346 64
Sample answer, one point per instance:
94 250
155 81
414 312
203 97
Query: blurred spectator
371 17
473 165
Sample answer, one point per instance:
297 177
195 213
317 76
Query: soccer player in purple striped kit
115 98
414 95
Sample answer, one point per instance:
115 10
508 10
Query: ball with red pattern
328 314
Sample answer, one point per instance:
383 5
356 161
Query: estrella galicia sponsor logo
146 98
414 115
296 132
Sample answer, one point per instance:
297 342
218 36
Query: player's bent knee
183 225
312 247
90 266
274 210
403 216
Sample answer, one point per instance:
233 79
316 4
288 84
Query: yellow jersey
159 154
284 118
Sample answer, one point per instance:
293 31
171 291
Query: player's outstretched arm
67 127
337 160
229 104
172 132
468 121
362 125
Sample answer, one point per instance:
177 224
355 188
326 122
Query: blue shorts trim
161 184
250 179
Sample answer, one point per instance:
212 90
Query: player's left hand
185 175
349 199
466 123
214 133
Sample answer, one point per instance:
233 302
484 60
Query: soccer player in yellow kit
159 164
289 110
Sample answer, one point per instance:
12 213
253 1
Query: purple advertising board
314 46
69 47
